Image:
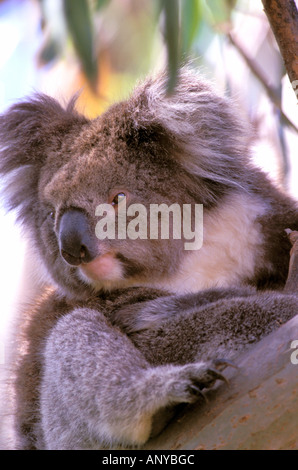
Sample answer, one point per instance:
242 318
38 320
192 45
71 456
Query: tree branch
283 18
255 69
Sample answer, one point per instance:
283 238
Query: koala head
186 148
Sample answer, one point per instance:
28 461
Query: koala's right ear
28 131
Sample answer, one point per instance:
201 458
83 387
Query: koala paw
192 379
182 385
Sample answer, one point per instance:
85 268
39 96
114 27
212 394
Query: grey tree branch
283 18
255 69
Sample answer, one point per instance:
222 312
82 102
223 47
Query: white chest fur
232 245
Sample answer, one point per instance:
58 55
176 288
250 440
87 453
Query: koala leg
292 280
98 390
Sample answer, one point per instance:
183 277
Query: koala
123 328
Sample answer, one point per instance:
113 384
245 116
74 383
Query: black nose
76 242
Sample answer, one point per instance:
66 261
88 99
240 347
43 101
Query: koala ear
211 140
28 131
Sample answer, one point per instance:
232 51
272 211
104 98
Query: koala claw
217 376
223 363
195 391
198 379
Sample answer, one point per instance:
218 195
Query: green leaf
50 51
53 20
78 19
171 11
191 16
221 10
100 4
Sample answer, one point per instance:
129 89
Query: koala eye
120 197
51 215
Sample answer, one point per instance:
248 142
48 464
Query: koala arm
152 313
177 329
97 388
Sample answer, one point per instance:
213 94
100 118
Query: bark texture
283 19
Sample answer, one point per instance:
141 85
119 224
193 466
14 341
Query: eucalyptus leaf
56 31
221 10
50 51
171 12
78 18
99 4
191 16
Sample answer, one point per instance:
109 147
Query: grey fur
104 357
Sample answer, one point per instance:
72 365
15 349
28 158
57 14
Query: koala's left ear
28 131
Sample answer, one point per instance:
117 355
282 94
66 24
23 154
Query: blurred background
103 47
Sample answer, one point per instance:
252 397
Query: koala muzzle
76 242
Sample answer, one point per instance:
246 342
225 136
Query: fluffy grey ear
28 131
212 141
